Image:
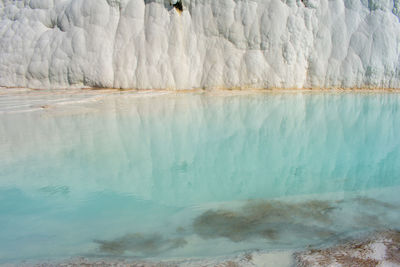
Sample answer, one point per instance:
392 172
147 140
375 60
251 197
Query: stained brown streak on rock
147 244
265 219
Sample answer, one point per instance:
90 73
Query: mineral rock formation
226 43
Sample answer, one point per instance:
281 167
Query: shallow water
196 174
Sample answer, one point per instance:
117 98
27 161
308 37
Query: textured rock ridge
226 43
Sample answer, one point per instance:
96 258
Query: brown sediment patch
228 264
312 222
366 201
372 212
266 219
378 249
367 220
145 244
180 230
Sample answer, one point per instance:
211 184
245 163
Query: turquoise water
197 175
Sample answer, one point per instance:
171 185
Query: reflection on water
193 176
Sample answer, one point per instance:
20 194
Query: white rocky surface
380 249
226 43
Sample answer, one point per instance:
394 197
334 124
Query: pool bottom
243 232
289 223
253 258
377 249
176 177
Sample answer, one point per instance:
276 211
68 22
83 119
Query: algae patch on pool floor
266 219
150 244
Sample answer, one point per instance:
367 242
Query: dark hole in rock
178 6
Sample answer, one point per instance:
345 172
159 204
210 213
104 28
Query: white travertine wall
213 43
